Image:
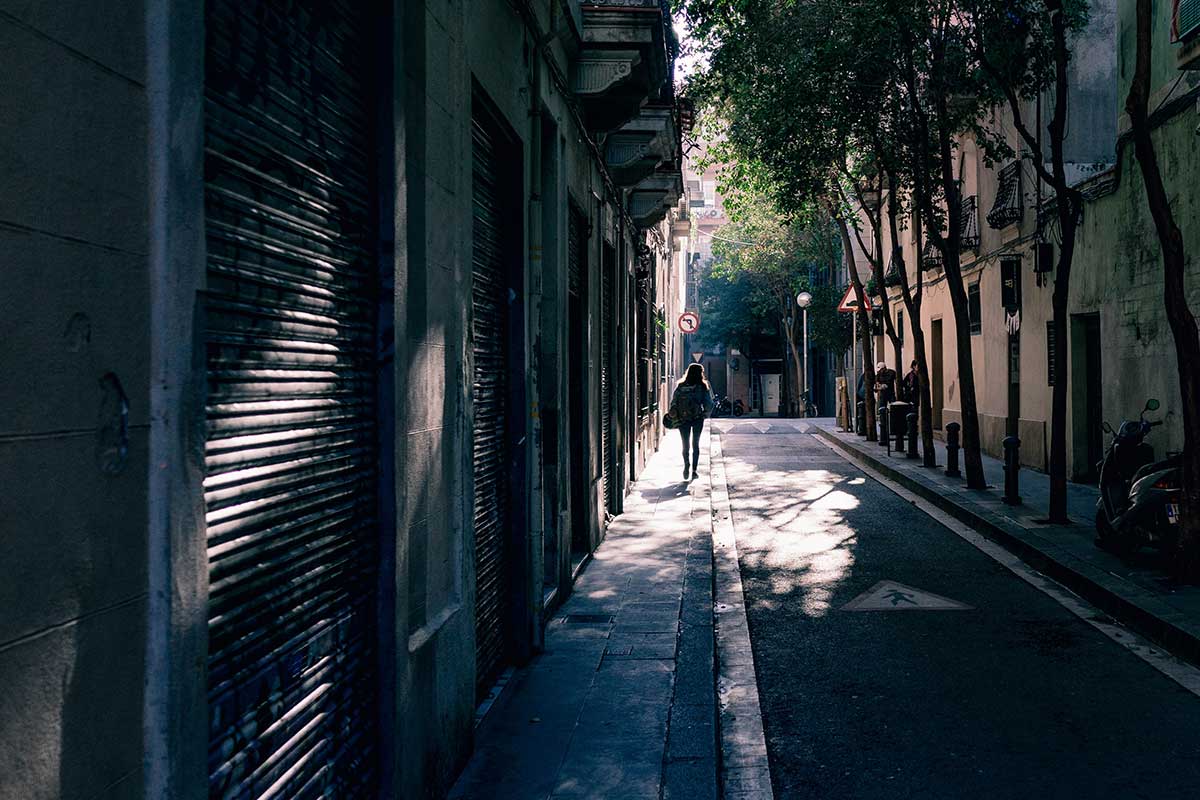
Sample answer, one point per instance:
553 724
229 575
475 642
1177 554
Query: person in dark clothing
911 384
690 404
885 384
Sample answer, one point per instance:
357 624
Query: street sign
892 596
850 302
689 322
697 356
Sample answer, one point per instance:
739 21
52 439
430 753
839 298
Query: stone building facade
1121 349
344 329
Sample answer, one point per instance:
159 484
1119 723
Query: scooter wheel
1108 539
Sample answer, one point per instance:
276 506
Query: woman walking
691 403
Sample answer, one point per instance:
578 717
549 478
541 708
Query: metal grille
575 252
291 449
931 258
1188 23
489 392
969 225
1009 205
608 448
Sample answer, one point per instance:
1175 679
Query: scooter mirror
1107 428
1152 404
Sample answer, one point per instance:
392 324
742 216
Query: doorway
937 378
293 423
1087 390
577 302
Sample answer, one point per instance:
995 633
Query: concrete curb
745 771
1127 602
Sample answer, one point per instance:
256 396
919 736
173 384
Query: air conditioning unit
1187 19
1185 29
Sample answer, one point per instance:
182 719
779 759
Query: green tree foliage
841 99
760 263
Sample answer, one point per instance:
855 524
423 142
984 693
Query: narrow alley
599 399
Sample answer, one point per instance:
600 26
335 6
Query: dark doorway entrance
580 479
496 260
608 375
1087 395
936 380
291 457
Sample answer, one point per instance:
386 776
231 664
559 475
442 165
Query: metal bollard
901 430
1012 468
952 430
912 436
860 418
882 413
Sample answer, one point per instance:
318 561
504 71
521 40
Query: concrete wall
103 572
75 433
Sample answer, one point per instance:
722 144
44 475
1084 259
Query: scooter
1139 497
721 407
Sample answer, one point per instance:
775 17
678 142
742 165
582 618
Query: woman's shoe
694 475
685 472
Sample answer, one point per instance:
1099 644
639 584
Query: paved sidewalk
1135 591
622 702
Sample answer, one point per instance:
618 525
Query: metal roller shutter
490 392
576 242
291 485
607 374
577 239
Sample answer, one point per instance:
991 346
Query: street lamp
804 300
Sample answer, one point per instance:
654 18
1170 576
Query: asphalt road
1013 697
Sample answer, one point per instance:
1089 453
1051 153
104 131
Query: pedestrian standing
690 404
911 384
885 384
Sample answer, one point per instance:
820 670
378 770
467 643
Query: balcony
636 149
655 195
624 60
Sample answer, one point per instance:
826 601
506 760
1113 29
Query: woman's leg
696 431
685 431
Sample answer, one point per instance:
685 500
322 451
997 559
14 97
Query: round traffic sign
689 322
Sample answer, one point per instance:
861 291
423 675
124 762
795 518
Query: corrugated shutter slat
489 294
291 486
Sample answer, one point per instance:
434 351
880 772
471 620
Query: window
973 309
900 327
1050 353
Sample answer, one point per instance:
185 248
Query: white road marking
1174 668
893 596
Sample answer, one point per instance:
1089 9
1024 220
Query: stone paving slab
1134 591
622 702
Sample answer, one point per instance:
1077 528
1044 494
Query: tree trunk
952 265
864 324
1186 563
972 458
1068 223
798 364
924 399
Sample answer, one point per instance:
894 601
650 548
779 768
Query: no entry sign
689 322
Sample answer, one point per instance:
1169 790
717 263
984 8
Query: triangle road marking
893 596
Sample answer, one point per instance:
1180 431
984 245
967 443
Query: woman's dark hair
694 376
